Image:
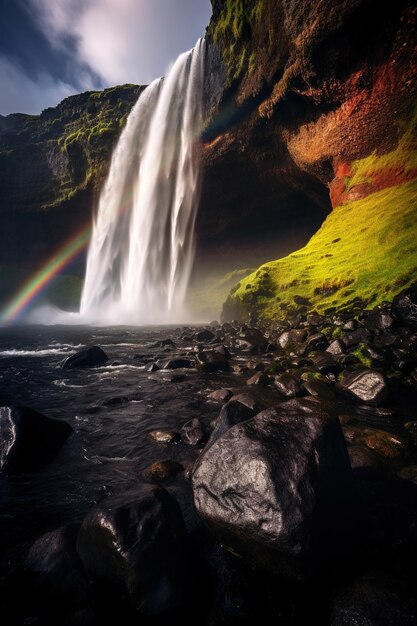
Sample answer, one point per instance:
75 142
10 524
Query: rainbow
19 303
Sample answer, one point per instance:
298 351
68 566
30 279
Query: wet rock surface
271 488
301 461
29 439
86 358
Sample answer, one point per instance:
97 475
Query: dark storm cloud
50 49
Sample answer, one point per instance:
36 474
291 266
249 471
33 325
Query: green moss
364 250
337 333
361 352
232 30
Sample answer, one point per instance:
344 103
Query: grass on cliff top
365 249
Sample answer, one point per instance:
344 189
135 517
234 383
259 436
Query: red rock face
335 84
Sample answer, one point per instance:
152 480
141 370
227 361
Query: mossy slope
365 250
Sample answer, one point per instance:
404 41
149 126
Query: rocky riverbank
297 502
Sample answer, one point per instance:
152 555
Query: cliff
51 168
319 99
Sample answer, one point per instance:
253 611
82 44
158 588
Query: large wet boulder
404 306
90 357
365 385
277 489
138 542
28 439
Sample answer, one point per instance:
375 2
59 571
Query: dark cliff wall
51 169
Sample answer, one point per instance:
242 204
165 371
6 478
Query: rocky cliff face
51 168
319 105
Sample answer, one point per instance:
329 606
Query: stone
54 561
320 389
288 386
325 363
336 348
277 489
376 599
290 337
233 412
316 342
193 432
220 395
350 325
365 385
253 339
28 439
379 320
174 364
361 335
138 542
163 436
212 361
163 471
260 379
90 357
404 306
153 367
204 335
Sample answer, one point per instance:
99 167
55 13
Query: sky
50 49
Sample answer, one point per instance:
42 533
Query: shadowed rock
138 542
29 439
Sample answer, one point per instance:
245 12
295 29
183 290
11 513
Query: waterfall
142 247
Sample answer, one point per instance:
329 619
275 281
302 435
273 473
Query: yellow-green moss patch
365 250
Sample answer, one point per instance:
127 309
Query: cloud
21 93
123 40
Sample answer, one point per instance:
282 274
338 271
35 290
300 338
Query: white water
142 247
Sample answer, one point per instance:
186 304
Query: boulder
404 306
316 342
361 335
138 542
212 361
163 471
175 364
233 412
204 335
365 385
163 436
290 337
260 379
277 489
90 357
324 363
336 348
29 439
56 567
288 386
193 432
220 395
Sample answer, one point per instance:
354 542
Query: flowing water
142 247
111 409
